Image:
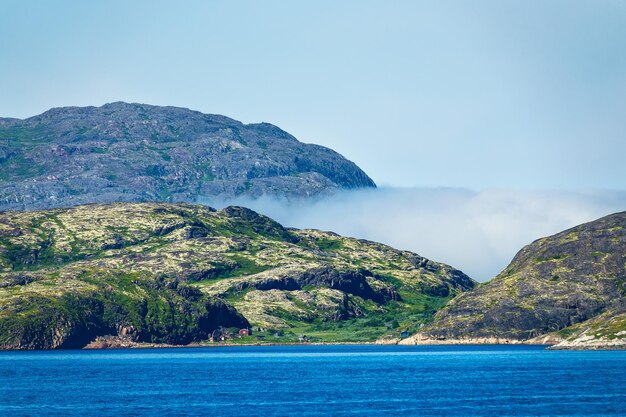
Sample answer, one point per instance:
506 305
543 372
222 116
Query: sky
490 97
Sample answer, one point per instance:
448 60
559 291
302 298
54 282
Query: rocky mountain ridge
135 152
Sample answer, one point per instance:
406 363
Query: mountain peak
139 152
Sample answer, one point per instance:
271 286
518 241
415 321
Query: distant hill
136 152
176 273
569 288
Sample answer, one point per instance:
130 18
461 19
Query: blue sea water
350 380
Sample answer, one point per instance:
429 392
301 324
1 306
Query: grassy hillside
174 273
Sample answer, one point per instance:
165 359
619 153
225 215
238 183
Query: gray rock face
554 283
136 152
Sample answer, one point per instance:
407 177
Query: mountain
176 273
557 289
135 152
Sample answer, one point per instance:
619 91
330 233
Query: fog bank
477 232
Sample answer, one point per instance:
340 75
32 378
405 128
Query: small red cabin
245 332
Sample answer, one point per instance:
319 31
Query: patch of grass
23 135
329 244
245 266
241 266
567 331
207 173
540 259
17 166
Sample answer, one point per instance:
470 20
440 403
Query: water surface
315 380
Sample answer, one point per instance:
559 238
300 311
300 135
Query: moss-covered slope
173 273
552 284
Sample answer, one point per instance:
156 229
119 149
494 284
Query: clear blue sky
513 94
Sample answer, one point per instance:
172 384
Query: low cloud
477 232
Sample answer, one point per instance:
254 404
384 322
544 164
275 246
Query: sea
307 380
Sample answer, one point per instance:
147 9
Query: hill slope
135 152
556 284
174 273
605 331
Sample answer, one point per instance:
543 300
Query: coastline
464 342
549 342
136 345
421 340
140 345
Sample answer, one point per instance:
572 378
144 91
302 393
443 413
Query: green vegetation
328 244
173 273
24 135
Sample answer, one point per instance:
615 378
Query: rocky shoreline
417 340
590 343
114 342
423 340
103 343
550 341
